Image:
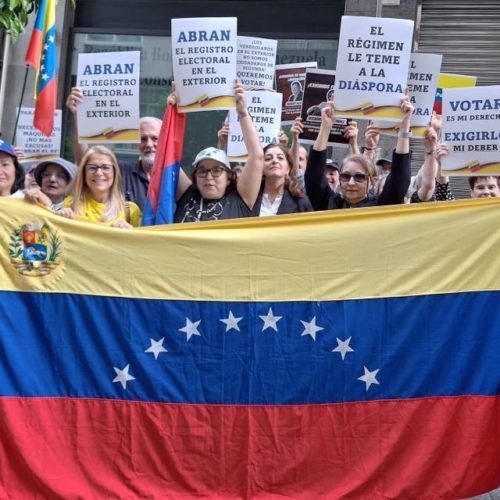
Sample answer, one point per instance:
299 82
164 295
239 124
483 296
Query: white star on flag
191 328
231 322
270 321
156 347
369 377
45 76
45 47
343 347
51 39
311 328
122 376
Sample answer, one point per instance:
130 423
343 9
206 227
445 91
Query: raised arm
398 181
317 188
351 133
443 191
76 97
430 167
184 181
222 137
296 129
403 144
251 177
372 138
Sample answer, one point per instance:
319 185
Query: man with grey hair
135 176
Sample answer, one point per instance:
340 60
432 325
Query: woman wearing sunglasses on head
357 172
212 192
97 192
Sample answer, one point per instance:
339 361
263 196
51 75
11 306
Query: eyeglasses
215 171
59 177
92 169
345 177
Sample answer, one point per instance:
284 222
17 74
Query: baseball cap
212 154
67 166
332 164
381 161
6 147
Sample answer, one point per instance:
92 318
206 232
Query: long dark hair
19 178
291 182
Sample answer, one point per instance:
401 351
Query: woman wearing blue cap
11 172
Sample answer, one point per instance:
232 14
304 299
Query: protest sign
256 61
451 81
318 90
265 109
290 83
471 129
204 61
34 144
372 67
109 112
422 83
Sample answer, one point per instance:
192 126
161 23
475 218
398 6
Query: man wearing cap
385 165
54 177
11 172
332 174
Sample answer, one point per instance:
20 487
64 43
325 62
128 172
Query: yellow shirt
93 211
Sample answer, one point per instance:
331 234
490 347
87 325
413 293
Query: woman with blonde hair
97 192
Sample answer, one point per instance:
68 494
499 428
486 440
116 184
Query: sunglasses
345 177
202 172
105 169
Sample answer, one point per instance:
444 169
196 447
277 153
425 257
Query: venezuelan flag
41 55
353 354
161 199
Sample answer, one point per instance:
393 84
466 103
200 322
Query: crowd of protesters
274 180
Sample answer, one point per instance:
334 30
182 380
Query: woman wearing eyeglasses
97 192
357 172
211 193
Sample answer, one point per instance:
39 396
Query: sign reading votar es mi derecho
109 112
204 62
471 129
372 67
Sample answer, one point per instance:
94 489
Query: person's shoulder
128 167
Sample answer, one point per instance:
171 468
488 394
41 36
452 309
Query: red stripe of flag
440 447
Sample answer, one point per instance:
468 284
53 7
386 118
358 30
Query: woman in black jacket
280 192
357 173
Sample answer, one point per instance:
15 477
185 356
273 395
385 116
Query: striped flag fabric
41 55
161 199
210 360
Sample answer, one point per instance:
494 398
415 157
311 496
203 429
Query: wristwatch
404 135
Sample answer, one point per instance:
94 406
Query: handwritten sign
471 129
34 144
265 109
256 61
204 61
109 112
372 67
